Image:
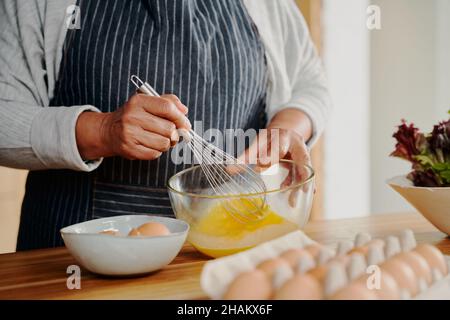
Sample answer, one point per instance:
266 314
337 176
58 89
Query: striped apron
208 53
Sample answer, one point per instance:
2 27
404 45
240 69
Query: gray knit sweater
32 34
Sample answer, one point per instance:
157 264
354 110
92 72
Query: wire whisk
226 175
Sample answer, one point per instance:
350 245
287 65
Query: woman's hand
285 138
142 128
275 144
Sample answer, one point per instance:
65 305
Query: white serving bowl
432 203
122 255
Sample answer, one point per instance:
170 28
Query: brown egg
403 275
364 250
109 232
319 272
293 255
433 256
389 289
250 285
150 229
344 247
355 291
313 249
300 287
269 266
418 263
134 233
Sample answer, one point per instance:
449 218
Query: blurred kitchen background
376 78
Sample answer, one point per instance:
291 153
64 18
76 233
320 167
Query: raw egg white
150 229
251 285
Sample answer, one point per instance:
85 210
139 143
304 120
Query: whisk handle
143 86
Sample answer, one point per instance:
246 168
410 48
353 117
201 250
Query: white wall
346 59
409 79
442 65
376 78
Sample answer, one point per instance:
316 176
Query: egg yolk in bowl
219 233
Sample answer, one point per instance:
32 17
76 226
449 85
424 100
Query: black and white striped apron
208 53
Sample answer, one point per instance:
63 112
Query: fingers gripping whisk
226 175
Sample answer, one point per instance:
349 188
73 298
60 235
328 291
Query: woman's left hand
274 144
284 138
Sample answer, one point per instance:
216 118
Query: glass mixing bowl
216 232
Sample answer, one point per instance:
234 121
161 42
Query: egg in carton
218 274
398 269
296 267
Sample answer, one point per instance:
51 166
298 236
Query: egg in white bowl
115 253
432 203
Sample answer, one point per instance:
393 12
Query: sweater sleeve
296 75
33 135
309 91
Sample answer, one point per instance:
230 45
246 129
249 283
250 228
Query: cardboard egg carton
218 274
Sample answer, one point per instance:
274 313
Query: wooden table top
41 274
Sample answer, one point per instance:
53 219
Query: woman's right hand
142 128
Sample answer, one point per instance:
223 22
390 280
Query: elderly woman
94 148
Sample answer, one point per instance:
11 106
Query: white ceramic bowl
122 255
432 203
